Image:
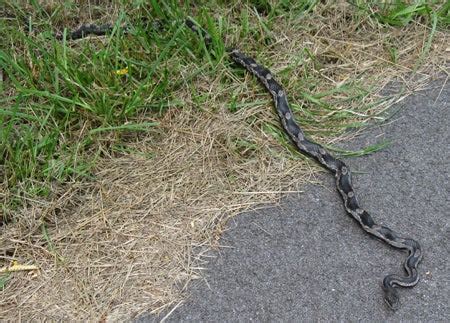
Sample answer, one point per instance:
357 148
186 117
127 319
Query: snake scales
340 170
337 167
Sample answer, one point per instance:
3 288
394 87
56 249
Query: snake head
391 298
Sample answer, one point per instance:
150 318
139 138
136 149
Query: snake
337 167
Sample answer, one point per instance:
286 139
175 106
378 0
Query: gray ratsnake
340 170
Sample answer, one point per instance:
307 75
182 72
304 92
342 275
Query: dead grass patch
132 238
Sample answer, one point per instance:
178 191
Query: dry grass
131 239
122 244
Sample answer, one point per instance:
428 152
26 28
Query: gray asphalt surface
307 260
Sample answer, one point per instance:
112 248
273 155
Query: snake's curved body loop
340 170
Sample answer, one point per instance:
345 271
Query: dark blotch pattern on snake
340 170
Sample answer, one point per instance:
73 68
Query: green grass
401 13
63 98
63 104
49 243
3 280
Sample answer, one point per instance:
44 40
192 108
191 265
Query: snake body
337 167
85 30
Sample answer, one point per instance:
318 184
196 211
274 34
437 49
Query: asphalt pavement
307 260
